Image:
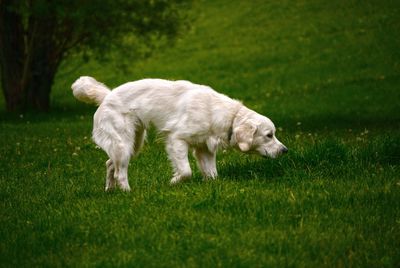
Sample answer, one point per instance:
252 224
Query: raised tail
89 90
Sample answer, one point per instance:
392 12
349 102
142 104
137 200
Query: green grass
328 75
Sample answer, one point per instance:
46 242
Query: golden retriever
190 116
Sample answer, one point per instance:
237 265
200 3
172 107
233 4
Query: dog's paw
110 185
177 179
126 189
124 186
109 189
209 178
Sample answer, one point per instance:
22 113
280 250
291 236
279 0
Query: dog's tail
89 90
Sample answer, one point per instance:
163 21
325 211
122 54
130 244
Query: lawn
327 74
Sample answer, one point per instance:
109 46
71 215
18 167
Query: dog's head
256 134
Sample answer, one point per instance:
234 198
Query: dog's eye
270 135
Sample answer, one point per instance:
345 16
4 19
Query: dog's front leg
206 161
177 150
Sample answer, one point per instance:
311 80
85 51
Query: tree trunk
43 64
12 57
38 87
28 60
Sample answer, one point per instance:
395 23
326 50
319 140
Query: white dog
189 116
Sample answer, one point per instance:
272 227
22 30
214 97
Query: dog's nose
284 150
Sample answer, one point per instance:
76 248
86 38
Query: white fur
190 116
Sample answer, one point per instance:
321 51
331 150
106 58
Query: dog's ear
244 135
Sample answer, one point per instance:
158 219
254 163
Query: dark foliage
36 35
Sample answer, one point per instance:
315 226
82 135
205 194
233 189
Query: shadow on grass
252 168
329 157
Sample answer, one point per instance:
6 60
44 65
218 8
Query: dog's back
168 104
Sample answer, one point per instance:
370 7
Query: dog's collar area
230 130
230 133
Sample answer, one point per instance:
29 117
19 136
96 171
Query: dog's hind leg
120 160
110 180
115 134
123 153
178 154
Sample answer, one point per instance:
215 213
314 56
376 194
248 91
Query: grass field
327 74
